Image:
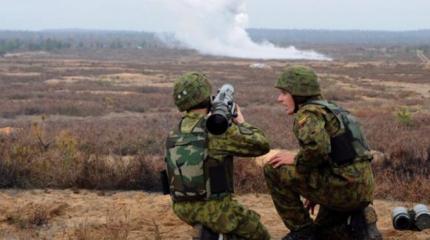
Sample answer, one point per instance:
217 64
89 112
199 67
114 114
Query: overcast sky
151 15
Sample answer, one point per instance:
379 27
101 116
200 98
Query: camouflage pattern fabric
339 189
222 214
313 127
191 89
185 157
349 143
299 81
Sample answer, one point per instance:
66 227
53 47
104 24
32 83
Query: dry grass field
88 215
97 120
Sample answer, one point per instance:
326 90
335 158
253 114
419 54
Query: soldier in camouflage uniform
331 169
207 199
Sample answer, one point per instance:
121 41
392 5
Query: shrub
404 116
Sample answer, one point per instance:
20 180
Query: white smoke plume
217 27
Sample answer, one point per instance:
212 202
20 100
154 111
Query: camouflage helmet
190 90
299 81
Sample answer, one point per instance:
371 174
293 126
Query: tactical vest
349 143
192 174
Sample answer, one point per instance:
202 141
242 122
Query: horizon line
251 28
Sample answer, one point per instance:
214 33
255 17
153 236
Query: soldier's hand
310 206
282 158
239 118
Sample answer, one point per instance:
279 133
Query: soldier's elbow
263 148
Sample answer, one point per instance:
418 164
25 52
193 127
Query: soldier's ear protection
417 218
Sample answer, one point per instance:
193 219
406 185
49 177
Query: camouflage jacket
313 127
242 140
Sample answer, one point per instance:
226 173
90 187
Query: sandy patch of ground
122 79
71 79
26 54
20 74
134 79
81 214
98 92
421 88
7 131
347 83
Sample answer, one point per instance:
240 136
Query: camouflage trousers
338 192
224 216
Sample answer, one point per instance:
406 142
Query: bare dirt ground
82 214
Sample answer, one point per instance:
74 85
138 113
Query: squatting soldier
332 167
200 167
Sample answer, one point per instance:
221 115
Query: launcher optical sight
222 111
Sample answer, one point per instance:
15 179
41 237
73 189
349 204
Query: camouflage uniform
338 189
220 212
343 188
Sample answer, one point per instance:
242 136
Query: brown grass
116 226
137 215
33 215
106 128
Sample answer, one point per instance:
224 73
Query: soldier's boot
231 237
203 233
363 224
306 233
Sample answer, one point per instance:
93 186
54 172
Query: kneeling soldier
332 167
200 165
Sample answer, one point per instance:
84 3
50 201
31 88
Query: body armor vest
349 143
192 175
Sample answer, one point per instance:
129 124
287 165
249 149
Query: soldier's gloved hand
282 158
310 206
239 118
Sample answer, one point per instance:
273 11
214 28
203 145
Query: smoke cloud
218 27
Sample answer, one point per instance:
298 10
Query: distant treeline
12 41
356 37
